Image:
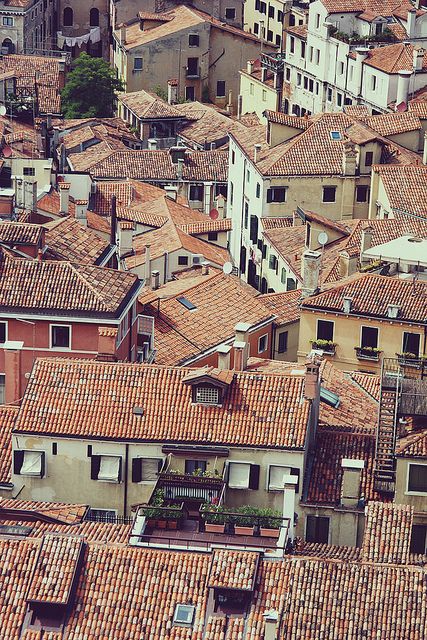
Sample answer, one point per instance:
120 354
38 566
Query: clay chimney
107 342
347 264
205 268
12 370
312 385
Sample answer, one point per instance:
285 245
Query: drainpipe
125 494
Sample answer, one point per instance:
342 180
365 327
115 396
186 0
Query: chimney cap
290 479
271 616
13 345
239 345
353 464
242 327
224 348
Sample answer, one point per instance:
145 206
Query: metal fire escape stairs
387 426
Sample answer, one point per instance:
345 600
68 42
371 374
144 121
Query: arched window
94 18
68 17
8 44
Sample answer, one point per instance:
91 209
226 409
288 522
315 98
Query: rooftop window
206 395
329 397
186 303
335 135
184 615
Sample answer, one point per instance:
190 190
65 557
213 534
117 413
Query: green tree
90 90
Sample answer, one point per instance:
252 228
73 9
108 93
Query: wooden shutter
254 476
119 479
269 195
95 464
43 465
136 469
18 459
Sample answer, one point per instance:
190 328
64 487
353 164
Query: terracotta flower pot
214 528
269 533
172 524
243 531
161 524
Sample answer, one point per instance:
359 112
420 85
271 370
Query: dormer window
207 394
184 615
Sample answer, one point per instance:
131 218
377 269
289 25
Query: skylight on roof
186 303
329 397
184 614
335 135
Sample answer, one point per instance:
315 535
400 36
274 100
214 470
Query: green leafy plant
160 92
323 344
373 350
91 89
214 514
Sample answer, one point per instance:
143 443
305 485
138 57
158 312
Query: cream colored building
202 54
260 89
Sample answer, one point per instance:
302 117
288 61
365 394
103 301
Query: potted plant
327 346
172 516
270 527
215 517
368 353
244 520
409 359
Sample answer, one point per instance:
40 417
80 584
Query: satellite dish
227 268
7 152
2 110
213 214
322 238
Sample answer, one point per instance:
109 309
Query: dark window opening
193 40
317 529
230 13
191 466
417 479
68 17
276 194
411 343
329 194
220 88
254 229
369 157
325 330
283 342
94 17
419 539
60 337
362 193
369 337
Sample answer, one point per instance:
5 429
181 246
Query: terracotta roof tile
389 124
369 382
8 416
371 294
62 286
206 124
325 483
414 445
60 512
387 534
68 239
276 223
53 574
299 30
221 301
393 58
198 228
148 105
16 233
406 188
233 569
284 305
266 412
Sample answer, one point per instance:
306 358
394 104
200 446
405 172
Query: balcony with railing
273 61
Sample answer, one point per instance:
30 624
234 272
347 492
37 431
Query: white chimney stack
205 268
403 80
180 167
410 24
271 624
152 144
289 489
155 280
250 67
418 58
352 471
172 91
126 230
311 272
257 149
147 265
81 211
171 191
347 304
64 197
224 353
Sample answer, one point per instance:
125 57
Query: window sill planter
367 354
214 528
243 531
326 346
269 533
412 361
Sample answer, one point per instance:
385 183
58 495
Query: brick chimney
12 370
349 161
352 471
107 344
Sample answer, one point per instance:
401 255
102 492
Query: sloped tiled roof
8 414
284 305
62 287
60 512
157 165
369 382
332 446
67 239
124 592
413 445
233 569
266 412
221 302
371 294
16 233
53 575
206 124
393 58
148 105
387 534
406 188
208 225
389 124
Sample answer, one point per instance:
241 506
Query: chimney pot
250 66
155 280
289 487
257 149
347 300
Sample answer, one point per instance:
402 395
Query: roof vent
347 304
138 411
392 310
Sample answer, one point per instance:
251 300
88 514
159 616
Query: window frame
196 38
221 95
195 397
106 455
292 471
271 195
311 515
6 331
30 475
181 623
330 186
253 476
8 21
367 193
317 328
408 492
70 333
279 349
137 68
263 337
233 9
141 458
406 350
364 326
